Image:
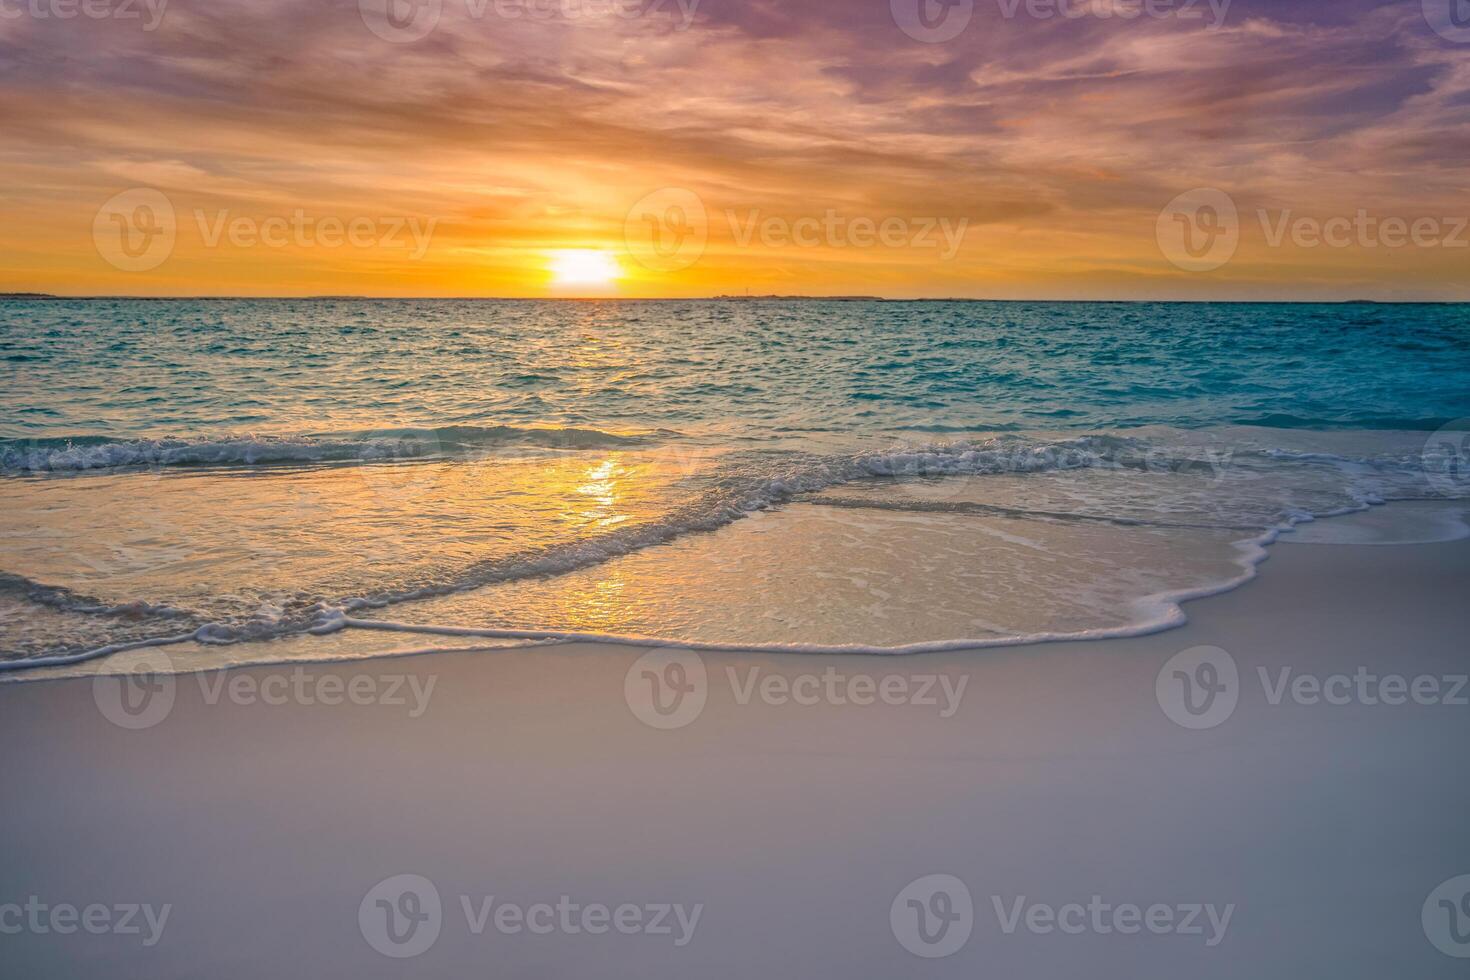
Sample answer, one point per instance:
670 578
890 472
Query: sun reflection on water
601 487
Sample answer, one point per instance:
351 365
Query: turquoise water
244 470
752 370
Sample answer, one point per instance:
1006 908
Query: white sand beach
771 830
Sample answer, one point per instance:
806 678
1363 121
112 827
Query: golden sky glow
719 147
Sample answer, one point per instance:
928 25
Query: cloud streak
537 126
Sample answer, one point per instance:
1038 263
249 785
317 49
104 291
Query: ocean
253 480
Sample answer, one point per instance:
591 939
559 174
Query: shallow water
924 473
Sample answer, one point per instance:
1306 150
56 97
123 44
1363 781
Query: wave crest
55 455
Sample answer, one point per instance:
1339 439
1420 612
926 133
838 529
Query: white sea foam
19 457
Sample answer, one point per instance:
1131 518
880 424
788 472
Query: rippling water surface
803 474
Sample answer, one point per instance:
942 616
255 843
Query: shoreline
1161 612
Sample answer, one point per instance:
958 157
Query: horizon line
723 298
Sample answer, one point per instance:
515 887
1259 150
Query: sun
583 267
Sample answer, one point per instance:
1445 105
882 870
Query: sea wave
733 494
63 599
79 453
728 497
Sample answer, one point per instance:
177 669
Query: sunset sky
539 147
